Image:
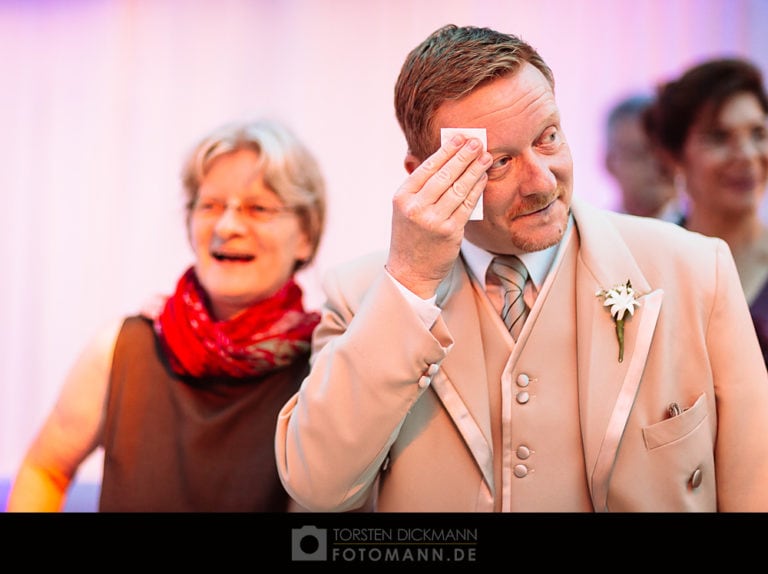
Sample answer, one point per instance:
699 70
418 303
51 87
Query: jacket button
523 452
696 478
523 397
523 380
520 470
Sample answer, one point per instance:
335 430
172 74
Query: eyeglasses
249 208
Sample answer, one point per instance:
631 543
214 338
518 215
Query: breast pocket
676 427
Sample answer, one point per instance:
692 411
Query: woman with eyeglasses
184 403
711 127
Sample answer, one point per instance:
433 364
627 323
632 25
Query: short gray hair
289 168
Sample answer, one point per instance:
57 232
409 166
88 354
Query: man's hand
429 213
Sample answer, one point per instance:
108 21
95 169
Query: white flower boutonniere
622 299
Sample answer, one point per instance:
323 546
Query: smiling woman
246 253
184 401
711 126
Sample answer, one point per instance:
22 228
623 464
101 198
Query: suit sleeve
741 392
368 359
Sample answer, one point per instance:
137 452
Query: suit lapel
461 383
607 388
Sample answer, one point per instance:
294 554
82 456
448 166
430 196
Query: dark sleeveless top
178 445
759 311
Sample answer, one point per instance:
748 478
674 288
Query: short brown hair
448 65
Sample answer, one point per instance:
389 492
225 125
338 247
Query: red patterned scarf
268 335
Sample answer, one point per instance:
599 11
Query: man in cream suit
636 383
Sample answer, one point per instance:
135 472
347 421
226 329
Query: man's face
530 183
644 184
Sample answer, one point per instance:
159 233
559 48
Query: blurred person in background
711 126
645 185
185 403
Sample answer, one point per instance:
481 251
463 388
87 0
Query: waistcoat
533 392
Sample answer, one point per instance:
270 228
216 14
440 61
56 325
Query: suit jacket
398 415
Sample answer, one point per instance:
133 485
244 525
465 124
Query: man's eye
500 162
550 136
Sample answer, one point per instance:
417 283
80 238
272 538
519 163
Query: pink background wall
100 100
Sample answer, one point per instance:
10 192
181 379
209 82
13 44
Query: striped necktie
513 275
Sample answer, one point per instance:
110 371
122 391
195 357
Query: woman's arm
71 432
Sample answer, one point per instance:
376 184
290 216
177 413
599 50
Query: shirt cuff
426 309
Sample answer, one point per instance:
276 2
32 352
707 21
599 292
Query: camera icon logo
309 543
